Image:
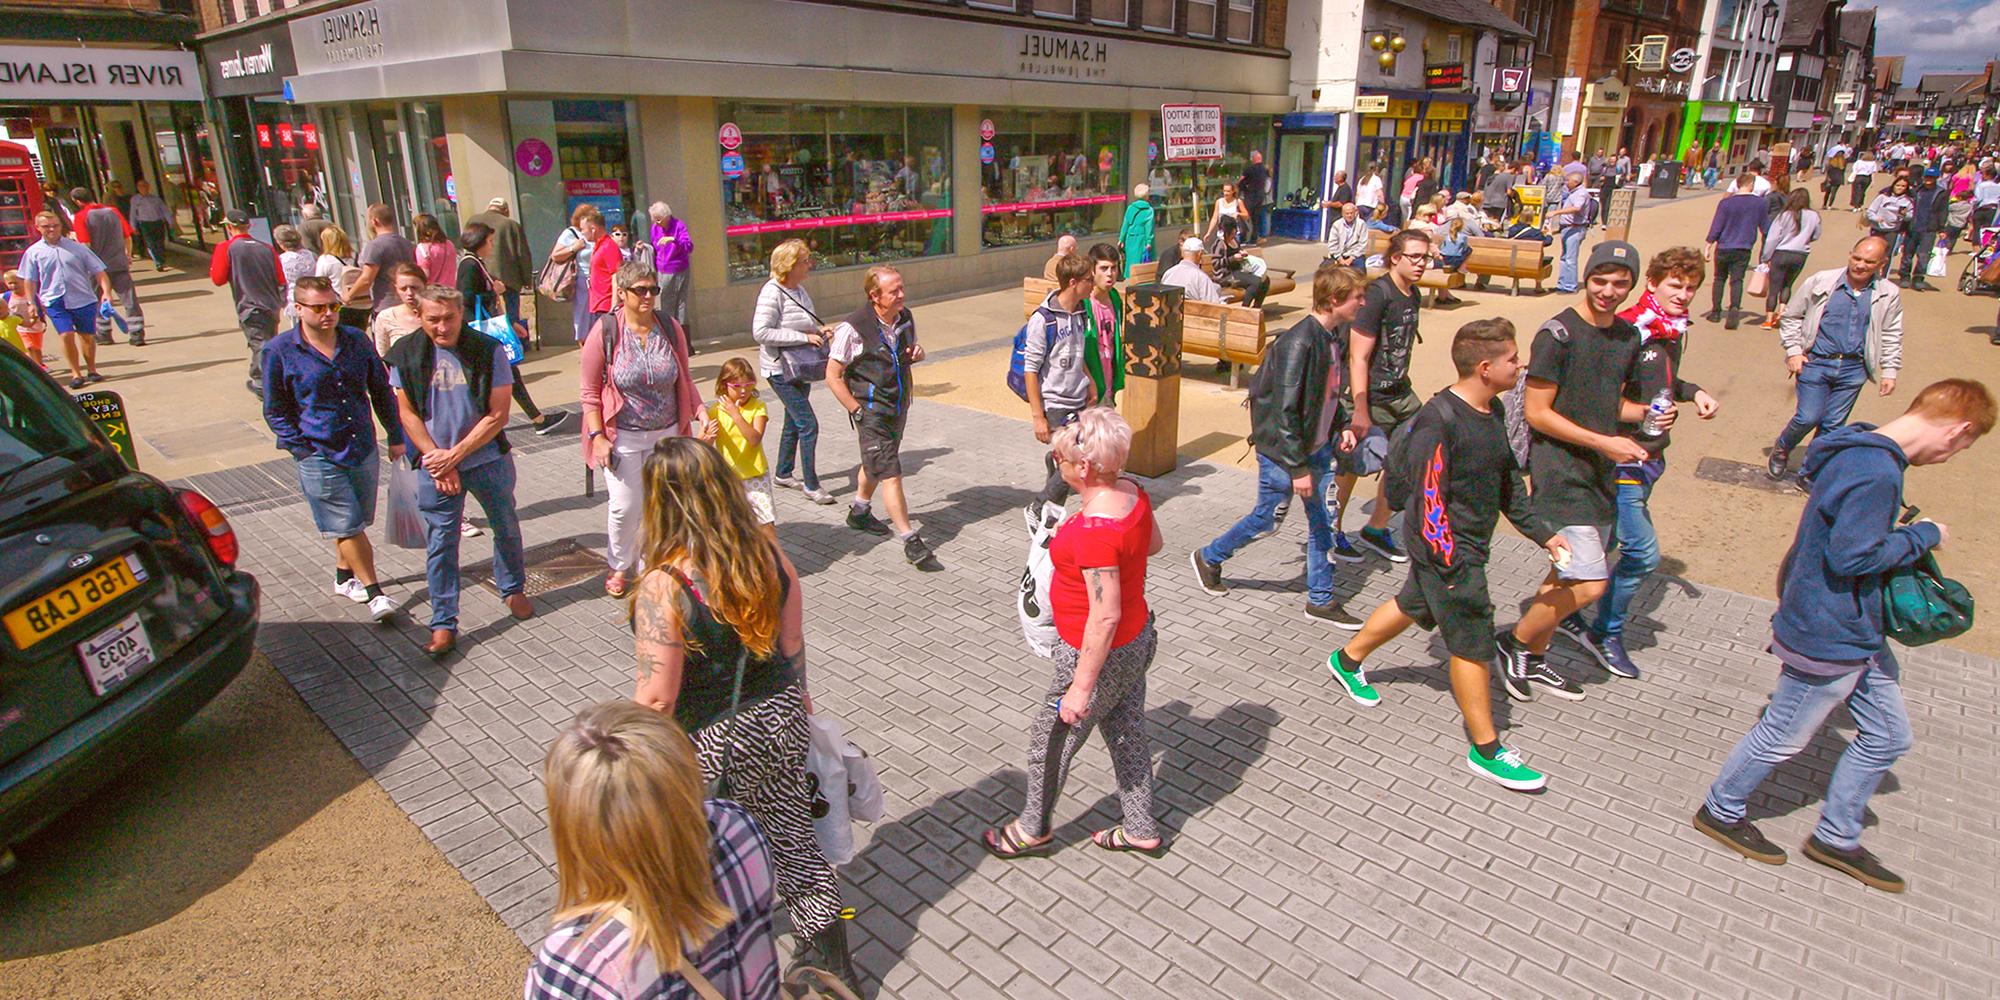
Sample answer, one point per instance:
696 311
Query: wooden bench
1499 257
1435 279
1144 273
1219 330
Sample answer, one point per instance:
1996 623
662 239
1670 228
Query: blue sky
1938 36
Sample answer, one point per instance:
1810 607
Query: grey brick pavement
1320 849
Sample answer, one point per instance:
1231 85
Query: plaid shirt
741 960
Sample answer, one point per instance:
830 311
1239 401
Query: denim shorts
342 498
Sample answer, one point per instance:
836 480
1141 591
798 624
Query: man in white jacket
1842 328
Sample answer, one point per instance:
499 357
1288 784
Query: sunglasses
644 289
319 307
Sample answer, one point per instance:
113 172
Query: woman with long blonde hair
653 884
718 611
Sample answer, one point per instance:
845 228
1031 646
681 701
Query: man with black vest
868 369
453 388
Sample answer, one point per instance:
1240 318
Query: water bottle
1650 427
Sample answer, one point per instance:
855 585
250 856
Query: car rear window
37 419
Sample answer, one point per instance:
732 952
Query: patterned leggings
1118 705
767 775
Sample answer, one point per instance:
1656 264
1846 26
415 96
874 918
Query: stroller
1982 268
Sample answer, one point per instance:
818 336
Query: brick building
1624 53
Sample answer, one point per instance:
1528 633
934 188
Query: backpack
1017 371
1400 472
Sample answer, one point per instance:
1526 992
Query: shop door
1301 184
391 160
1392 155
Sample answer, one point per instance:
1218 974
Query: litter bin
1666 178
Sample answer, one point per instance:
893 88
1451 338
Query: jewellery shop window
568 154
1046 173
861 184
1175 187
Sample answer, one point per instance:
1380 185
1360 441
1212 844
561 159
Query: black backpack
1400 469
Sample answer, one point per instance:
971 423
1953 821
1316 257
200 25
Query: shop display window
430 163
571 153
1046 173
861 184
285 159
1175 187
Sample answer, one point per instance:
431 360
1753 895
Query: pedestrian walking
1461 476
1985 200
1831 179
312 223
1065 246
510 262
1097 592
868 370
434 251
152 217
736 423
1136 230
402 319
1382 338
1104 351
586 227
607 255
386 247
1053 368
1732 236
256 281
481 291
1888 216
637 390
1786 244
1295 427
66 286
294 262
718 628
1928 204
320 382
1228 205
1661 317
673 256
1863 172
626 797
1843 329
1828 635
452 394
1575 215
1256 187
1574 402
1369 193
104 230
336 264
790 341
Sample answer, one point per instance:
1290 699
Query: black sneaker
1207 574
1511 659
1277 520
1713 315
915 550
1732 322
1779 460
1331 613
860 519
1742 836
551 420
1858 862
1548 678
1574 629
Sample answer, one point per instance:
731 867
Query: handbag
1760 281
802 362
1921 605
557 279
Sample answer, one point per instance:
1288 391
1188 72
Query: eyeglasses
1414 256
644 289
319 307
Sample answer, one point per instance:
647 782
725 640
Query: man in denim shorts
60 273
310 401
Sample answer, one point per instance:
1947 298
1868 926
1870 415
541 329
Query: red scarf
1652 319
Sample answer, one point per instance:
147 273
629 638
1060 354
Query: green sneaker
1507 769
1354 680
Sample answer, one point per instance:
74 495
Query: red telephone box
20 199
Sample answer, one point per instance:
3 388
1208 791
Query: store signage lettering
285 134
311 133
1371 104
264 136
241 65
729 136
1661 85
1191 131
48 73
353 35
1075 57
1444 75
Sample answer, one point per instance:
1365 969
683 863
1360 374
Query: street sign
732 165
986 130
1510 80
1191 131
730 136
1683 60
107 411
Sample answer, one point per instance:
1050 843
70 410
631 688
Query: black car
122 612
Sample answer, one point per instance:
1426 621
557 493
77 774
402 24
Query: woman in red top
1098 594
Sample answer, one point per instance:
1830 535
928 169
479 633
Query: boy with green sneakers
1459 474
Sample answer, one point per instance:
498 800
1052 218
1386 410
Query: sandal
1009 845
615 584
1115 839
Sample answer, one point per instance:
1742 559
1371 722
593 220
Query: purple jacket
679 249
1738 220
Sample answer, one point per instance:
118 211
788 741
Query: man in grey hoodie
1059 385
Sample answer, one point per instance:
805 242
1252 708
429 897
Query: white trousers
627 488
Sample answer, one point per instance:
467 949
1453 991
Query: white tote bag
826 772
1031 598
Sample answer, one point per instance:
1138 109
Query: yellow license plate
52 612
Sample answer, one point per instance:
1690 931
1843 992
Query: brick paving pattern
1319 849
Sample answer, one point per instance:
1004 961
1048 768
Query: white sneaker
467 529
352 590
382 608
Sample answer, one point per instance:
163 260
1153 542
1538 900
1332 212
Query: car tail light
214 527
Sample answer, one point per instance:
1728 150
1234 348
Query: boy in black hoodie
1829 636
1463 476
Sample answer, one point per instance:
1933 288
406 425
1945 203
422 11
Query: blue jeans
1802 701
1638 557
1572 241
1827 391
493 484
512 298
1274 487
800 438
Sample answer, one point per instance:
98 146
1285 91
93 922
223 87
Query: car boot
827 951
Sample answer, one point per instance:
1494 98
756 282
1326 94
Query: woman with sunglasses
636 390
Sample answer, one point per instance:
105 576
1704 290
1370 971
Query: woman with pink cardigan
636 390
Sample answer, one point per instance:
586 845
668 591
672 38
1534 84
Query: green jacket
1135 234
1093 361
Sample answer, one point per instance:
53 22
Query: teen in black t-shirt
1381 339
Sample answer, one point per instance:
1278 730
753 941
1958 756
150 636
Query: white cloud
1938 37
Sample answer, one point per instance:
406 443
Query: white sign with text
1191 132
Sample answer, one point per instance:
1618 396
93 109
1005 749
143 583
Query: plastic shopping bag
864 785
406 523
1939 263
826 776
1031 598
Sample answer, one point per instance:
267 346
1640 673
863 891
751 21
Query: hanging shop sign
732 165
1371 104
729 136
1191 131
1683 59
311 133
56 73
986 152
1444 75
986 130
252 64
1510 80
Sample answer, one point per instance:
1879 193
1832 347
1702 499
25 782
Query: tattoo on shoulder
1097 577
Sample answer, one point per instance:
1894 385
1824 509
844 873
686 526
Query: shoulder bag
1921 605
802 362
558 277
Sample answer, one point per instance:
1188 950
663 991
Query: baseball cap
236 217
497 205
1932 172
1192 245
1614 252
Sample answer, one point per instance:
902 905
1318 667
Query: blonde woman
654 887
717 601
784 321
336 264
1230 205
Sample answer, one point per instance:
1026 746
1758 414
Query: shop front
270 149
1177 188
1444 136
1706 125
1385 139
1307 144
1050 173
1604 107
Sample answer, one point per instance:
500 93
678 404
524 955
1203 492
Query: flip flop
1007 845
1115 840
